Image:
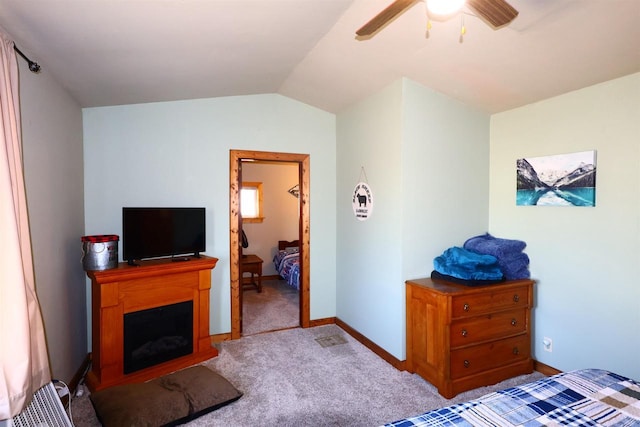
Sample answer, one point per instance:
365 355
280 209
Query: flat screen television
162 232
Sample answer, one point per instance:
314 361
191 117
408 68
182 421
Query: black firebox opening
157 335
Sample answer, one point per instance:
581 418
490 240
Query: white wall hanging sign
362 201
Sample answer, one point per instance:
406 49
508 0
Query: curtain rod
33 66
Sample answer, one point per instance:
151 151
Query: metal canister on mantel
100 252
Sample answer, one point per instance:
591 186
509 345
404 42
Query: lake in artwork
559 180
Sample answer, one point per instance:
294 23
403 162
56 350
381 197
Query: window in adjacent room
251 202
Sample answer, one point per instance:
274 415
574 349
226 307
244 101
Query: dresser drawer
489 301
475 359
487 327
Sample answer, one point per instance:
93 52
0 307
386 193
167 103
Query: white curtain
24 364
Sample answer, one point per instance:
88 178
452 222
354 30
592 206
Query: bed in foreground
589 397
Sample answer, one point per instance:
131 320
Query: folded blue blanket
487 244
515 266
512 261
463 264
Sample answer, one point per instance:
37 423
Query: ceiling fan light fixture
495 13
444 9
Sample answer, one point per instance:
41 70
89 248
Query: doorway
236 157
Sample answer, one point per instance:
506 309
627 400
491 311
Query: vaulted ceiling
111 52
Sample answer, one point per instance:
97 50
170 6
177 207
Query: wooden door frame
235 159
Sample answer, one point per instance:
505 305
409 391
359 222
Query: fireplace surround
133 291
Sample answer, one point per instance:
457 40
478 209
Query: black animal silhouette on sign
362 200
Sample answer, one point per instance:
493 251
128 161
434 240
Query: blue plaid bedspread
589 397
287 265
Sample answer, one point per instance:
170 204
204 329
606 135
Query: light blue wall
585 260
436 180
369 253
426 159
445 176
177 154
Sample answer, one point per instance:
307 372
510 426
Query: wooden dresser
462 337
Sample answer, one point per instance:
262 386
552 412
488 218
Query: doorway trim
235 175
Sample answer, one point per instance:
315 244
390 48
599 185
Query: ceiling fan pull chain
428 34
463 29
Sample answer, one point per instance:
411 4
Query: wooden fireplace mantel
127 289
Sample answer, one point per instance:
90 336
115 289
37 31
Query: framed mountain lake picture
558 180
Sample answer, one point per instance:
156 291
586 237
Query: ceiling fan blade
495 12
381 19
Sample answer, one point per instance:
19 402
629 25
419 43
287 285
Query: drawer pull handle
516 351
465 307
464 332
514 322
466 363
516 298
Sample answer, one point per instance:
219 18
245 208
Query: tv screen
162 232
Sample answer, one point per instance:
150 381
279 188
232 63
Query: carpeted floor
276 307
312 377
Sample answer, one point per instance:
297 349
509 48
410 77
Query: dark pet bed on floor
166 401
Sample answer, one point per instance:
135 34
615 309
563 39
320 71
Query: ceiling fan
496 13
